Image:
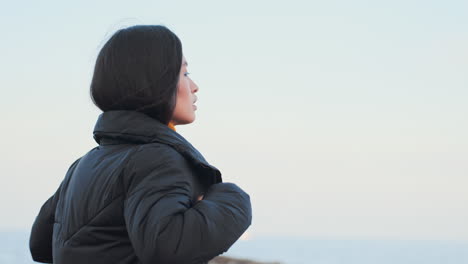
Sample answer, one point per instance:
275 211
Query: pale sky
340 118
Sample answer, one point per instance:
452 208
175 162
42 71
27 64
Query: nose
195 87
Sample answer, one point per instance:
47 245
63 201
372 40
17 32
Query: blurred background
344 120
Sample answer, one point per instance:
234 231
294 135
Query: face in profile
184 111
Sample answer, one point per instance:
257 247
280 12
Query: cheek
184 92
184 101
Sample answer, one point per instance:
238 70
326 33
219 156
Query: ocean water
328 251
14 249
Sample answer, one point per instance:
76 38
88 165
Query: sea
291 250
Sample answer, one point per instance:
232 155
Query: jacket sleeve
163 225
40 240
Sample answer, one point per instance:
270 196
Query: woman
145 194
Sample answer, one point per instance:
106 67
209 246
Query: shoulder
156 162
155 153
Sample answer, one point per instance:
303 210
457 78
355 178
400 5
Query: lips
194 106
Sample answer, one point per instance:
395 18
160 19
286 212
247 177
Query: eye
186 74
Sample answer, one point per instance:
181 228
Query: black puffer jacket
133 199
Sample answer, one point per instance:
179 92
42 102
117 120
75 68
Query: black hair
138 69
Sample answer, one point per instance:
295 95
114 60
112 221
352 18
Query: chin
185 121
191 120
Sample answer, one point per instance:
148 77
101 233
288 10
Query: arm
162 224
40 240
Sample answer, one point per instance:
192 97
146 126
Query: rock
228 260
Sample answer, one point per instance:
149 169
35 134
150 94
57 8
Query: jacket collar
125 126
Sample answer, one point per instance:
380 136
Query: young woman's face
184 112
